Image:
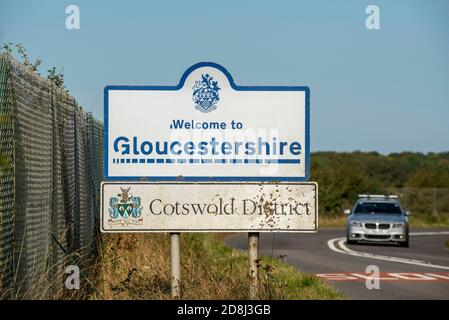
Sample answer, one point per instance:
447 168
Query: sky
381 90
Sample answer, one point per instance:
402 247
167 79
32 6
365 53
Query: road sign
208 207
207 128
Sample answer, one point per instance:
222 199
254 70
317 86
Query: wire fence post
175 266
253 255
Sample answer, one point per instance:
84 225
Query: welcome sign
207 128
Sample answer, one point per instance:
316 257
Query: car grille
382 226
377 236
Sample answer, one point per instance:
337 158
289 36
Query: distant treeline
341 176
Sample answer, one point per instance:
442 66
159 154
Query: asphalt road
418 272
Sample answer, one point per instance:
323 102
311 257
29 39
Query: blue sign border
233 86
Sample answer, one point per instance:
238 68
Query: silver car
377 218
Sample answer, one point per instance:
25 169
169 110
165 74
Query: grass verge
137 267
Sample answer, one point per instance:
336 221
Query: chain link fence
51 167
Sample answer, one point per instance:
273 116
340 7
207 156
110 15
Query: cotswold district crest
205 94
125 209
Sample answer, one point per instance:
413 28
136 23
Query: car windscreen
378 207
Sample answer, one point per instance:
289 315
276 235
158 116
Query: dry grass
429 221
137 266
332 221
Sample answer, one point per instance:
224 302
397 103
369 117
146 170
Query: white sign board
208 207
207 128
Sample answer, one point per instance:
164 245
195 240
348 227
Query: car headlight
398 225
356 224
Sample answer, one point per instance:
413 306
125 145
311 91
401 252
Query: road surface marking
430 233
387 276
345 250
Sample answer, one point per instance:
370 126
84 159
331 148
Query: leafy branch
56 77
52 74
8 47
33 66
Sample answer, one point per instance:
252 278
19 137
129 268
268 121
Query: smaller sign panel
209 207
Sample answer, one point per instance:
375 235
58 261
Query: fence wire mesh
7 181
51 168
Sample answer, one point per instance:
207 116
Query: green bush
421 180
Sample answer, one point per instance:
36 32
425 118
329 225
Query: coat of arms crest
125 208
205 94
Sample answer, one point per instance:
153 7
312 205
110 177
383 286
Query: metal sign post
253 254
175 266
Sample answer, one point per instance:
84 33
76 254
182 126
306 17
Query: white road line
345 250
431 233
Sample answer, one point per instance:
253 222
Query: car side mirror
408 213
347 211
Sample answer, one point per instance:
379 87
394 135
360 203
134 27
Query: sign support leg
253 254
175 266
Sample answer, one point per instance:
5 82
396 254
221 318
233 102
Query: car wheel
350 241
405 244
